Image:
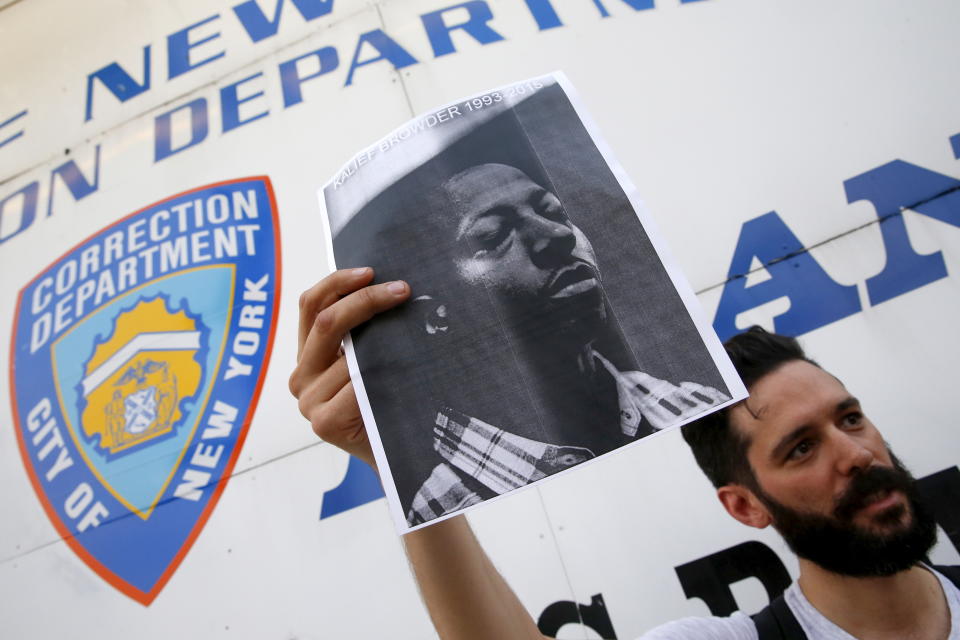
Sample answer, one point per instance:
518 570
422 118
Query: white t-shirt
740 627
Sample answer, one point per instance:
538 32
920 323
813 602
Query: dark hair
721 451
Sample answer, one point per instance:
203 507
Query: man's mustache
867 484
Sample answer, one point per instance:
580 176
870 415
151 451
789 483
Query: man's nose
852 455
549 238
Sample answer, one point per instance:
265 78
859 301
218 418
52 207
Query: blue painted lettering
11 137
27 198
636 5
163 129
259 27
119 82
891 188
388 48
359 486
544 13
815 298
290 78
438 31
179 47
70 174
230 104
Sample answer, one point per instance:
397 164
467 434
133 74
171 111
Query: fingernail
397 287
362 271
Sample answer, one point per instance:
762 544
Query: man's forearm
467 597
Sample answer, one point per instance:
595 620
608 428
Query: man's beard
838 544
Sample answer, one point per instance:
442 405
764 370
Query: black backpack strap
777 622
952 573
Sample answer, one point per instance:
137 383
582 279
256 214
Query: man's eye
800 450
550 207
485 238
853 419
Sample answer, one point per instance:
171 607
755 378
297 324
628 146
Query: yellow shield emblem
134 382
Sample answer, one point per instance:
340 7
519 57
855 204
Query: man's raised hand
321 381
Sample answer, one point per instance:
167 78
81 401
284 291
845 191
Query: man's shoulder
951 573
735 627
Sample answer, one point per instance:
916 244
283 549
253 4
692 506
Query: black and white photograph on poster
546 324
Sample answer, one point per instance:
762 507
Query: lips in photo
572 280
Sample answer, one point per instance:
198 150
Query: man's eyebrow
849 403
787 440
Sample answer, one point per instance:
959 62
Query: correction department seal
137 360
135 381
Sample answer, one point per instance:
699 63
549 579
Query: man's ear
741 503
432 314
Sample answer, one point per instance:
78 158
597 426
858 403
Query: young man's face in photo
514 238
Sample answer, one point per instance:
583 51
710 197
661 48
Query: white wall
720 110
